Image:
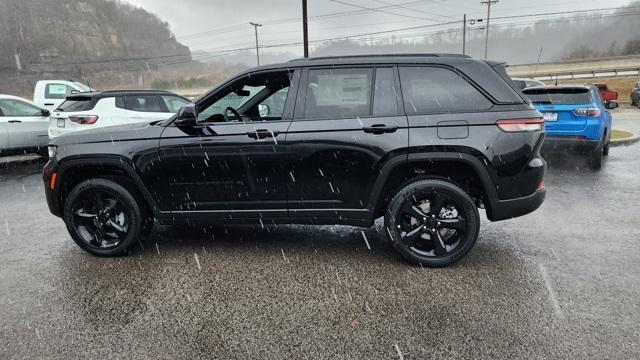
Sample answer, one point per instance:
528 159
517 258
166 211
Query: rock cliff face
70 35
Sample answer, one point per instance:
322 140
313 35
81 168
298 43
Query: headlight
53 150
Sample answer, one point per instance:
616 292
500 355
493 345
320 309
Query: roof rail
381 56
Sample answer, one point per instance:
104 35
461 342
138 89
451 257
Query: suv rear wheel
103 218
432 222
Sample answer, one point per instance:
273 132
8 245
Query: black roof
368 59
112 93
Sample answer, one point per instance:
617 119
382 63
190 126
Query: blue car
576 119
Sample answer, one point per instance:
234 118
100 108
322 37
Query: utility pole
305 29
486 37
464 34
255 27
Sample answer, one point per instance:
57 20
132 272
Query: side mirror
187 116
263 110
611 105
45 112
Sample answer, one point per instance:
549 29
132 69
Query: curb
625 142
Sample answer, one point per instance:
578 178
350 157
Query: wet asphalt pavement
563 282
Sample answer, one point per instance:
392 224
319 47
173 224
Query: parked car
576 119
605 93
49 94
92 110
23 126
423 140
635 95
523 83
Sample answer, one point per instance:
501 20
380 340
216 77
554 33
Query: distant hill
68 35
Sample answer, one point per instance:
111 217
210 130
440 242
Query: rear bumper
555 144
512 208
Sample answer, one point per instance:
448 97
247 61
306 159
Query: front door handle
14 121
262 134
51 104
379 129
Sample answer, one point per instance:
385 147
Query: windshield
556 96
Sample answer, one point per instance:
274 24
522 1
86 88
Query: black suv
423 140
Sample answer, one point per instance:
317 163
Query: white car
23 126
49 94
523 83
108 108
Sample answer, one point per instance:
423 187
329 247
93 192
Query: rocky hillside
71 35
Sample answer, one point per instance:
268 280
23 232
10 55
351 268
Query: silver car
23 126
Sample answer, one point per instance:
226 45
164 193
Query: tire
596 159
412 236
104 218
605 149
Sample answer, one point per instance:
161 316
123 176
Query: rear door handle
379 129
262 134
51 104
14 121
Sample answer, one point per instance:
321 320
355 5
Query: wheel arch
465 170
115 168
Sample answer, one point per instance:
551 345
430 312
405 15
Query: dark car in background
635 95
421 140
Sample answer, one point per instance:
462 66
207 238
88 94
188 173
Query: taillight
521 125
590 112
83 119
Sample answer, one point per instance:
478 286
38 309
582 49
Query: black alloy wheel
432 222
103 218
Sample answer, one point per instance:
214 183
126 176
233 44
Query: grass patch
620 134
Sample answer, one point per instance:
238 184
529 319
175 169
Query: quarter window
438 90
338 93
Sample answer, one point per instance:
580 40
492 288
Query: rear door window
552 96
143 103
338 93
438 90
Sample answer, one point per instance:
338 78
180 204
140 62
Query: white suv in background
107 108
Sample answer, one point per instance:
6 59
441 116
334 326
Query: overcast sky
225 23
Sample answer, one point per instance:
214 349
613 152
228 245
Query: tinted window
143 103
11 107
233 99
559 96
273 106
57 91
174 103
338 93
385 94
77 104
520 84
438 90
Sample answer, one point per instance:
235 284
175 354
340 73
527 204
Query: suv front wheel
103 218
432 222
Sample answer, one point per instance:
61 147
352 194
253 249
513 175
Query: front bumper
512 208
51 186
558 144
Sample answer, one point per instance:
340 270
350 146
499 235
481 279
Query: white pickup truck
49 94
